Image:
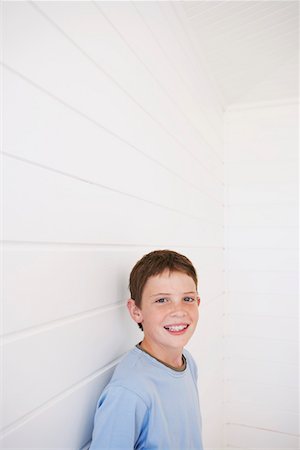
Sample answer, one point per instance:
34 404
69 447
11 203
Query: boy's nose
178 310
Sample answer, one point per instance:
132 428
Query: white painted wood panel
47 426
263 282
204 116
205 259
101 99
276 193
65 141
158 54
253 416
65 209
212 410
29 357
248 173
249 150
237 436
266 259
211 285
268 237
266 372
262 394
122 59
118 152
263 215
61 281
263 303
262 326
267 130
209 344
261 346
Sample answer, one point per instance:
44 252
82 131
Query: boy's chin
178 339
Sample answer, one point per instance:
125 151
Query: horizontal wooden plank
210 363
262 215
262 348
210 355
70 415
265 193
284 283
207 346
237 436
274 373
55 283
243 149
207 391
248 149
210 286
47 363
262 259
273 236
205 259
268 326
55 208
210 316
275 129
262 304
264 395
265 172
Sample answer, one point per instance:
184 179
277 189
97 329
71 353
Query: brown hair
155 263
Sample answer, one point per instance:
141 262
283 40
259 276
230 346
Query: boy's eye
189 299
161 300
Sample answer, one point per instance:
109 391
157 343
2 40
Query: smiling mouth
176 329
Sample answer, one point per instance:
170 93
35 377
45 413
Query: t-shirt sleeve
120 420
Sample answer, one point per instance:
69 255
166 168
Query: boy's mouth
179 328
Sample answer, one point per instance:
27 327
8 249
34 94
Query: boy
151 401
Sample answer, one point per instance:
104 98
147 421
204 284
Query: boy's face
168 312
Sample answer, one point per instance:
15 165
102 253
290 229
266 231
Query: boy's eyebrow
169 293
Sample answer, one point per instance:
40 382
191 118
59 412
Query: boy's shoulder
131 369
130 375
131 361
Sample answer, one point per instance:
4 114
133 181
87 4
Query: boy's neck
172 358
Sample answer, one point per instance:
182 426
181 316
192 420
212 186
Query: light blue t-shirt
149 406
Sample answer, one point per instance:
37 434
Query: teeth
177 328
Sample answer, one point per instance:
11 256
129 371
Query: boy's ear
134 311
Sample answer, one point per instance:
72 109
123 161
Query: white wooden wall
261 324
112 147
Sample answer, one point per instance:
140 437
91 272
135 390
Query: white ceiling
251 47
